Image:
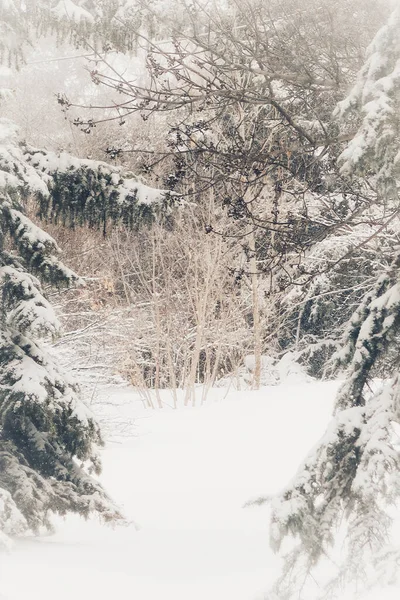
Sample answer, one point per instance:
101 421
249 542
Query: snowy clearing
183 476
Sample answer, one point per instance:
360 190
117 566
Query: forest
199 219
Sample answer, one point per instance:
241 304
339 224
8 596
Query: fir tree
352 474
48 437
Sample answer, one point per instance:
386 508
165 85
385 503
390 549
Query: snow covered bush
273 372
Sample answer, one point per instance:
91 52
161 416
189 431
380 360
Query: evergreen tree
48 437
352 474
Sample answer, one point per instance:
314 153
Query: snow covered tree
375 147
352 476
48 437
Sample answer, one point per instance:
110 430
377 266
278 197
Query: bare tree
248 90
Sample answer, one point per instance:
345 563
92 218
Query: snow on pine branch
12 521
45 428
351 476
375 96
25 308
15 173
31 372
93 192
372 327
36 247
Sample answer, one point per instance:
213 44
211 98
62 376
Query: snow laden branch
94 193
353 472
36 250
47 438
375 96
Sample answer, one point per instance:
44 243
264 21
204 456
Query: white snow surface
183 477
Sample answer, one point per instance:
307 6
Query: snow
30 234
8 131
273 372
183 476
126 183
5 72
13 169
66 9
375 93
145 194
32 312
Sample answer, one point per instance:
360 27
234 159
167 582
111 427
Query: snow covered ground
183 476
